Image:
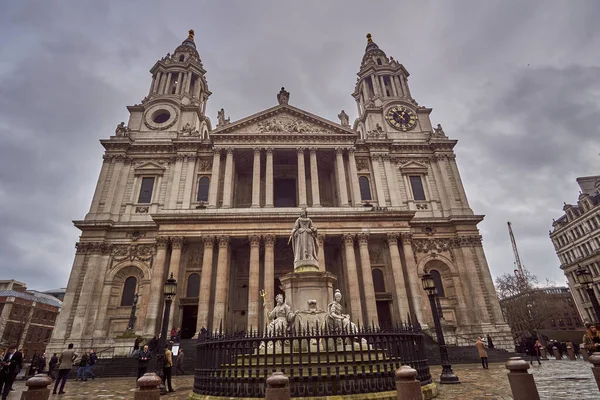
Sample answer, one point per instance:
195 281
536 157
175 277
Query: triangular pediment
284 119
149 167
413 167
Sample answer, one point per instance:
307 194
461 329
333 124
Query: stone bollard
585 354
407 385
571 353
37 388
521 382
544 353
556 353
148 387
595 359
278 387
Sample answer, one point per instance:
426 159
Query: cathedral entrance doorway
383 314
285 193
188 321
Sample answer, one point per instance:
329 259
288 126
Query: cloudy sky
517 83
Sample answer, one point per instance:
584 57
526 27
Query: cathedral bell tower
383 97
177 97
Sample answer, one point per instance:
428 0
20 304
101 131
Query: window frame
197 191
139 188
135 289
367 178
412 191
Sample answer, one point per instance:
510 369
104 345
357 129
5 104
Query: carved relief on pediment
286 124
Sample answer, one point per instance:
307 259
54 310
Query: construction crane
519 272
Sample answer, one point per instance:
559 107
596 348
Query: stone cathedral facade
214 206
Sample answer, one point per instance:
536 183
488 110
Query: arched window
128 291
203 186
193 286
181 58
379 61
437 278
378 280
365 188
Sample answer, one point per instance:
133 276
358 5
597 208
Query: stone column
314 178
256 179
205 284
269 272
253 283
398 275
390 174
213 189
341 175
416 288
375 160
353 171
321 255
157 78
168 84
188 82
175 183
228 182
94 208
353 284
301 179
222 286
367 275
188 190
393 84
176 246
178 89
269 179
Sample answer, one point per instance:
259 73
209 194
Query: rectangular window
146 190
417 188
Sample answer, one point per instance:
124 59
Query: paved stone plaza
555 380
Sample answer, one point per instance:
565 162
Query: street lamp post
584 278
170 289
447 375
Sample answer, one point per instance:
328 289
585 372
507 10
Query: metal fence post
37 388
278 387
521 382
595 360
148 390
407 385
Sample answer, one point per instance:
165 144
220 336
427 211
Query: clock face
401 118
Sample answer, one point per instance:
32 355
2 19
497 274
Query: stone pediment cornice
284 119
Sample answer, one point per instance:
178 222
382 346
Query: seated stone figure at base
337 320
281 316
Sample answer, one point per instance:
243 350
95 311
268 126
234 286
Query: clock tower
386 108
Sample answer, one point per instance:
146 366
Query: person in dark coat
52 366
18 355
143 357
153 344
9 367
92 358
179 363
41 363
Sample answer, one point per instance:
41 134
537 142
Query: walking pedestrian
65 360
167 369
482 353
179 363
81 371
41 363
136 346
143 357
92 358
537 350
8 372
19 356
52 366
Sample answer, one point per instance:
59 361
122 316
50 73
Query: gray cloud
516 83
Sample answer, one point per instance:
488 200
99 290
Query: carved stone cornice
437 245
468 241
402 160
254 240
270 240
348 239
223 241
209 242
177 242
363 239
205 165
93 248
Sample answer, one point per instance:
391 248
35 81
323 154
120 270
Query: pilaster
353 282
301 178
269 179
417 301
367 279
314 179
227 186
213 189
205 284
156 282
222 285
253 284
341 176
256 179
356 199
398 275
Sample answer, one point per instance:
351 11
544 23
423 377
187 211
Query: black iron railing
318 362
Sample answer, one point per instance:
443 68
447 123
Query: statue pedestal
303 285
